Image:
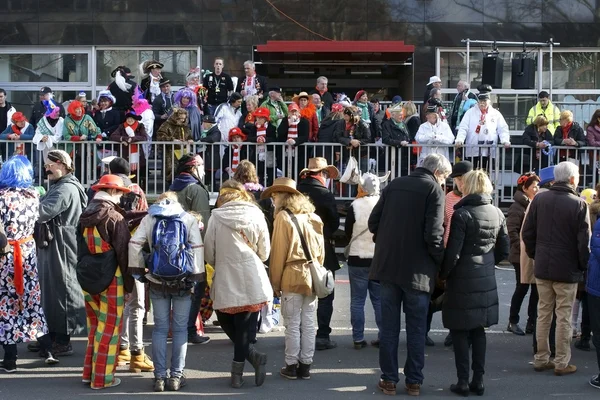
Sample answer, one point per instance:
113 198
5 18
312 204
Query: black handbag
95 272
42 234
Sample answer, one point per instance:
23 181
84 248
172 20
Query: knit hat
119 165
359 94
396 99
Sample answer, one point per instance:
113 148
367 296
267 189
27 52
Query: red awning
334 46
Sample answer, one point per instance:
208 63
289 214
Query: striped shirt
451 200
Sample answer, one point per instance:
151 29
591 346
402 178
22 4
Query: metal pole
468 62
551 42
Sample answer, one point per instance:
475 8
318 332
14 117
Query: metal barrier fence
154 172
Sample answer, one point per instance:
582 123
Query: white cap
434 79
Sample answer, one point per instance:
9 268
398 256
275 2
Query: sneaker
62 350
124 357
516 329
595 381
289 372
429 341
325 344
159 384
197 339
175 383
34 347
544 367
387 387
569 369
9 366
375 343
413 389
115 382
50 359
360 345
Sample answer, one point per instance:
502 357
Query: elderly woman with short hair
478 241
569 134
537 136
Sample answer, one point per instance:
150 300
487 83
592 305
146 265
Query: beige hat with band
285 185
319 164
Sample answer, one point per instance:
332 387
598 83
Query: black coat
326 209
38 111
330 129
556 234
109 122
412 125
303 126
514 222
407 224
260 84
531 136
212 136
124 101
478 241
392 135
576 132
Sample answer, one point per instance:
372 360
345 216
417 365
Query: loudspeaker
492 71
523 73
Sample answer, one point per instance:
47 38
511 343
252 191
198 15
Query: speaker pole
469 61
551 44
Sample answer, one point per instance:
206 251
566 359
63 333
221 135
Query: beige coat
288 264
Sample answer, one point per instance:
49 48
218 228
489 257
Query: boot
258 361
476 386
583 343
461 388
237 371
303 371
124 357
140 362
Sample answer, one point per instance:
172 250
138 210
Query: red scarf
321 92
16 130
19 148
235 161
262 130
134 148
293 129
134 126
566 129
76 118
250 118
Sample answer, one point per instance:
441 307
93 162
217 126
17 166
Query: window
572 70
44 67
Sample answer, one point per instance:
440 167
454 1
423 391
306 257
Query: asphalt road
342 373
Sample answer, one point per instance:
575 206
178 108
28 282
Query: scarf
249 118
261 130
16 130
321 92
293 128
235 161
566 129
19 148
250 85
364 108
481 120
361 192
134 156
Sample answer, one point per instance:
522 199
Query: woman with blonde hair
295 222
478 241
246 175
236 245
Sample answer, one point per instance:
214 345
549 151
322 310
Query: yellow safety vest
552 114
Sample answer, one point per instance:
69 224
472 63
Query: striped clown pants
104 313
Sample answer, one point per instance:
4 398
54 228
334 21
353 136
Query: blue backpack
172 258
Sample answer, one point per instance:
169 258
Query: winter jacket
287 266
326 209
556 234
62 298
274 107
192 195
236 245
478 241
493 132
432 135
26 135
593 135
514 222
593 273
53 133
407 224
143 238
455 112
531 136
413 123
330 129
213 135
172 129
108 122
576 132
227 117
303 131
393 135
362 248
109 219
551 112
124 101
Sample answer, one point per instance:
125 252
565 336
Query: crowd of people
74 260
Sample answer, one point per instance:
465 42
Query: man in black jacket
407 224
455 113
313 184
39 109
558 241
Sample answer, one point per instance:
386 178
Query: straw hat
318 164
300 95
285 185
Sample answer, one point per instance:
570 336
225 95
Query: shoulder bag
347 248
95 272
322 279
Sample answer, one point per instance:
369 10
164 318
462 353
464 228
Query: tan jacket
288 267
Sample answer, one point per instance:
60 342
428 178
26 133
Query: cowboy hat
110 182
318 164
300 95
285 185
434 79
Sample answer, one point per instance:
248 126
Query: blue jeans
359 286
416 306
162 305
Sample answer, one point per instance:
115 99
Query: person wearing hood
22 318
49 131
122 88
127 134
332 127
106 117
175 130
290 273
478 242
20 131
241 285
40 108
60 209
104 228
170 305
527 189
360 256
